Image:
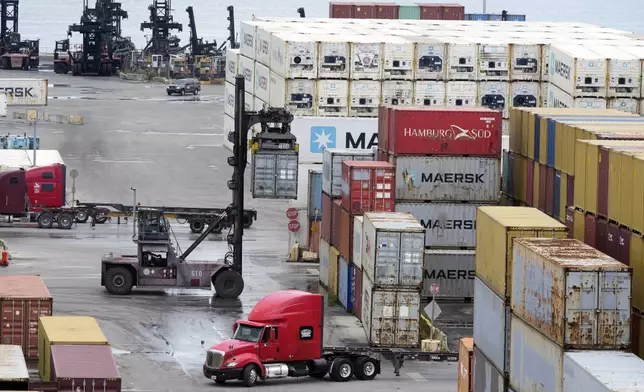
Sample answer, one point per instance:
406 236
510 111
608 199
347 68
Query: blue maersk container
315 194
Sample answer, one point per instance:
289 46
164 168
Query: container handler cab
283 337
157 264
62 57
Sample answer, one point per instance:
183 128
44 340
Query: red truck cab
46 186
283 337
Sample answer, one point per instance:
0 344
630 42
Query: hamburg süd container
13 367
76 365
393 249
67 330
465 365
578 70
391 317
274 175
440 178
332 167
298 96
575 295
294 55
315 194
486 377
335 229
356 248
324 255
443 131
492 326
602 371
334 257
447 225
452 270
23 299
327 217
344 283
496 229
368 186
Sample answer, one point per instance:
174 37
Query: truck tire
341 370
45 220
197 226
119 281
248 221
250 376
65 221
82 216
228 284
365 368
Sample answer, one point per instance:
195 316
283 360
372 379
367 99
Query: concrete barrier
52 117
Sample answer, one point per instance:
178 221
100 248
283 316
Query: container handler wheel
365 368
228 284
45 220
119 281
341 370
65 221
196 226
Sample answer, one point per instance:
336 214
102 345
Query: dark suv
184 86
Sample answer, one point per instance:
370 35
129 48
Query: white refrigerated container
364 98
298 96
333 97
397 58
624 71
334 57
526 60
429 93
431 59
524 94
578 70
494 95
262 82
557 98
461 93
294 55
462 60
247 70
493 59
366 57
398 92
232 65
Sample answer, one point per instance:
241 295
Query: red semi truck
283 338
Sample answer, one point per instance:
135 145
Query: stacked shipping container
366 10
447 164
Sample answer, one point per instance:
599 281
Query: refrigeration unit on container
462 60
356 251
544 94
429 93
323 255
486 377
461 94
229 100
492 327
390 317
447 179
332 167
274 175
442 131
524 94
526 61
232 65
624 71
397 58
493 59
602 371
366 57
580 283
398 92
364 98
247 70
368 186
577 70
298 96
557 98
452 270
431 59
629 105
393 250
494 95
334 56
294 55
333 97
262 82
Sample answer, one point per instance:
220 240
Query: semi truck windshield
248 333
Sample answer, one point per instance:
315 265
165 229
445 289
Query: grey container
487 378
432 178
447 225
453 271
492 326
332 159
274 175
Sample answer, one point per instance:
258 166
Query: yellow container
496 228
516 115
637 263
637 199
334 254
520 170
70 330
579 225
620 182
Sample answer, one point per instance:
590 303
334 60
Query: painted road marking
416 377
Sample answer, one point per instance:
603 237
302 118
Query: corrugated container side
506 175
452 270
340 10
602 371
315 194
637 262
453 12
409 11
368 186
327 217
343 282
345 236
386 11
465 364
603 170
573 294
570 221
543 188
334 257
364 11
590 230
487 378
624 246
550 190
536 186
492 326
534 359
351 295
93 366
601 235
332 167
430 11
570 191
612 240
335 222
313 243
356 249
357 304
556 196
580 226
324 263
13 368
530 182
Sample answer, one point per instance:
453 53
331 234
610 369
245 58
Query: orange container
465 364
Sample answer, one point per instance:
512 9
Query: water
49 21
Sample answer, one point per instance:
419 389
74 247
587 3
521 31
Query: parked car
184 86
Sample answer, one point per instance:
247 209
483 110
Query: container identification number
196 274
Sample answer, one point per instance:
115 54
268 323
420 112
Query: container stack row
60 345
366 10
448 163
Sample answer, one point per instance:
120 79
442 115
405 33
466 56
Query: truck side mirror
234 327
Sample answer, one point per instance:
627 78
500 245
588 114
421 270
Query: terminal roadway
170 151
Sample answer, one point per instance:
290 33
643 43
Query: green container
409 11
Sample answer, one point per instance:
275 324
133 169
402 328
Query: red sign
293 226
444 131
433 288
292 213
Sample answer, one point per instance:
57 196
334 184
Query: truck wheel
45 220
251 375
341 370
81 216
119 281
65 221
196 226
229 284
248 221
365 368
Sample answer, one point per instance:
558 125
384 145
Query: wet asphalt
170 150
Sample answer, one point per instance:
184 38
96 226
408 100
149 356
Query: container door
412 246
263 175
407 319
286 176
387 258
614 309
581 303
383 318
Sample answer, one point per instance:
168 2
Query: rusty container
580 225
601 235
335 228
529 183
602 182
91 365
570 221
364 10
430 11
327 217
612 240
453 12
550 191
340 10
345 234
465 365
590 230
570 191
386 10
624 246
542 188
23 299
314 236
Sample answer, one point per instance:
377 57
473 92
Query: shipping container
492 326
68 330
543 186
612 240
578 71
313 243
570 190
506 174
333 54
76 365
356 246
332 167
393 249
447 178
487 378
390 318
550 191
453 12
602 371
23 299
334 260
368 186
398 92
324 256
590 229
465 365
327 217
340 10
14 374
357 287
345 234
274 175
447 225
601 235
570 222
298 96
452 270
344 283
519 177
335 220
496 229
386 10
292 56
232 65
303 199
364 11
624 246
351 294
315 194
580 226
409 11
461 94
430 11
575 295
534 359
530 179
365 71
457 131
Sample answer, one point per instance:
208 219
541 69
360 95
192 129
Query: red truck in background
283 337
